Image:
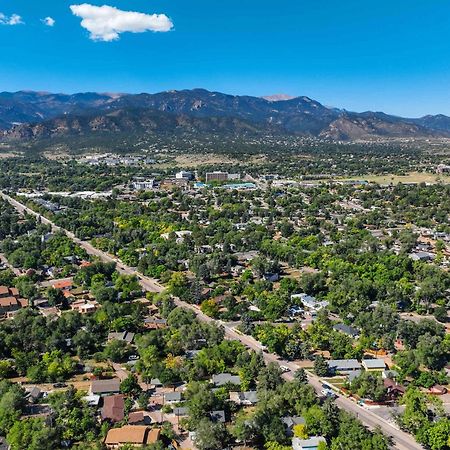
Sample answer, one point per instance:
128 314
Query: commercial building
143 185
184 175
216 176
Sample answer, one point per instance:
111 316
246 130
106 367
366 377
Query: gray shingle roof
350 331
172 397
105 386
374 364
344 364
224 378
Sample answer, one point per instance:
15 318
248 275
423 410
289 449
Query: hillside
28 116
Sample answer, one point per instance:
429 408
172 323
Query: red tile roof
4 290
113 408
62 284
7 302
132 434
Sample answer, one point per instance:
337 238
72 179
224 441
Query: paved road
147 283
402 440
6 263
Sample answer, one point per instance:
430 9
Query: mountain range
32 116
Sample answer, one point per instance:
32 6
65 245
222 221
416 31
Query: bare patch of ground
9 154
57 155
413 177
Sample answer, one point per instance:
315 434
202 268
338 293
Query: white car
285 369
327 392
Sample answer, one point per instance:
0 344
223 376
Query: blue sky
384 55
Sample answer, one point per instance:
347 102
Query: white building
184 175
309 301
143 185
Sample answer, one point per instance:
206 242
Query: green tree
269 377
419 409
210 435
32 434
437 435
74 420
130 386
321 367
11 405
300 375
116 350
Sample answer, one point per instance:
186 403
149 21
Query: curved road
401 440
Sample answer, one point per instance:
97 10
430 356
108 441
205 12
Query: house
353 375
295 310
272 277
291 421
32 394
113 408
63 285
4 291
125 336
218 416
92 400
392 374
345 329
422 256
172 397
343 365
9 305
437 390
373 364
138 418
154 323
394 389
154 382
423 246
84 306
248 398
205 292
309 302
225 378
307 444
149 324
180 235
10 302
132 435
181 411
105 387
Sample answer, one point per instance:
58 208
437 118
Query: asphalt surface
400 439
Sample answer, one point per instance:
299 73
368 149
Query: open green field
413 177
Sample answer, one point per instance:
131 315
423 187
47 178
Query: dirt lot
413 177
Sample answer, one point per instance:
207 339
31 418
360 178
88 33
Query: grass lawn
338 382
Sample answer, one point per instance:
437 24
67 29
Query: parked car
327 391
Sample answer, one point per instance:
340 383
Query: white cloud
14 19
105 23
49 21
